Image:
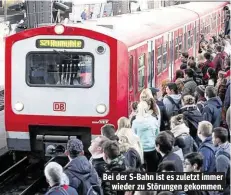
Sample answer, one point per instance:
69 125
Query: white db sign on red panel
59 106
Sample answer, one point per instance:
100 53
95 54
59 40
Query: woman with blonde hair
192 115
147 128
131 147
123 122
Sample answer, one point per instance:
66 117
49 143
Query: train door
150 71
177 61
131 79
158 61
171 56
195 39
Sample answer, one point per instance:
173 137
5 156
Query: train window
176 49
189 39
131 72
58 69
165 56
159 60
180 43
141 72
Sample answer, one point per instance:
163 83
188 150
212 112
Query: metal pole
5 10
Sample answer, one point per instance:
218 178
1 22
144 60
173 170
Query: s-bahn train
69 80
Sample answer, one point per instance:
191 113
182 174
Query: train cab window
141 66
164 66
159 60
58 69
131 72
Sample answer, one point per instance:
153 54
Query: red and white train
63 81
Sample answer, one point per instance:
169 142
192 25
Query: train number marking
59 106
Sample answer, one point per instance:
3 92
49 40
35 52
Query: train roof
134 28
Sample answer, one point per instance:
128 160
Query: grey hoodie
170 108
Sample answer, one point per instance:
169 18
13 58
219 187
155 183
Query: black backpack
87 187
176 106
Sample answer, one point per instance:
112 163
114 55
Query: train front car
61 82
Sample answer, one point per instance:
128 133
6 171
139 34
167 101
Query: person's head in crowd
180 85
54 175
219 48
171 88
146 94
164 143
134 106
152 107
199 93
221 74
192 64
207 56
108 131
189 73
184 57
219 136
96 147
176 120
163 86
187 100
123 122
142 109
111 151
210 92
179 74
74 148
154 92
214 39
204 130
166 166
193 162
212 74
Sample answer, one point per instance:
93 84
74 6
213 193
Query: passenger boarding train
70 80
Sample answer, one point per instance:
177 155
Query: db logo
59 106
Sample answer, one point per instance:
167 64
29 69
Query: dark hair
189 72
166 166
165 142
134 105
179 74
191 58
207 56
212 74
172 86
185 54
219 48
108 130
221 133
192 64
210 91
111 149
195 158
173 138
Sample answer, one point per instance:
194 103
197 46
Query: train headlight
100 50
101 108
59 29
19 106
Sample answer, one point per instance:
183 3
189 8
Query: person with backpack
57 180
213 108
172 100
82 175
189 83
197 75
200 97
206 148
220 140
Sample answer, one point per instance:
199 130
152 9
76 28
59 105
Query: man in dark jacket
164 145
79 171
164 123
213 107
206 148
189 83
116 162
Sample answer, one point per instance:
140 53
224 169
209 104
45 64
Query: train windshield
59 69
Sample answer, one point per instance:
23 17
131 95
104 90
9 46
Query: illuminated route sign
60 43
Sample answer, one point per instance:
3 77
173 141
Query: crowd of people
186 130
